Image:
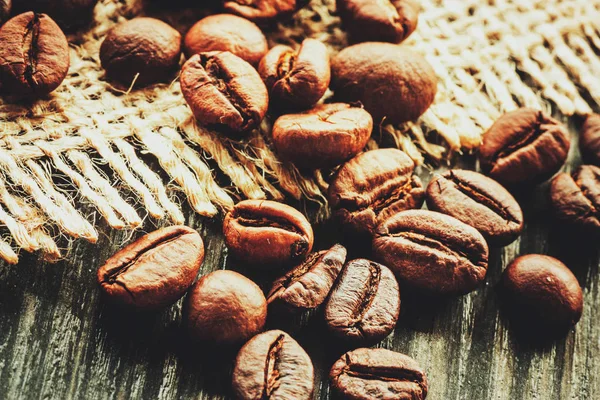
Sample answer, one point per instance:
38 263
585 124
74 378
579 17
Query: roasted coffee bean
576 200
296 79
379 21
308 285
273 366
155 270
144 46
524 146
371 187
69 14
432 252
225 308
589 142
268 233
225 32
5 7
325 136
224 91
478 201
364 374
394 83
34 55
364 305
542 293
263 11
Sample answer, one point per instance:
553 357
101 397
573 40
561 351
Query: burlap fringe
91 144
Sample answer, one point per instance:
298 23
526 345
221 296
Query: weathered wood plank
58 339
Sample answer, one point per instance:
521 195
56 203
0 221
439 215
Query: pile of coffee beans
325 109
375 196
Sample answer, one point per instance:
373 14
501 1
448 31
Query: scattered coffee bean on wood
272 365
155 270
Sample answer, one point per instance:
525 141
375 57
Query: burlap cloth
131 155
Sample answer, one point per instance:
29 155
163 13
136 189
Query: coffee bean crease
272 368
481 197
220 77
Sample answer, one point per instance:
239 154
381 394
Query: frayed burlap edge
88 143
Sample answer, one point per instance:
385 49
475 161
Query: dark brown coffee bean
69 14
263 11
273 366
364 305
542 293
308 285
589 142
225 308
144 46
576 199
325 136
34 55
371 187
224 91
296 79
364 374
432 252
392 82
478 201
155 270
524 145
5 7
225 32
268 233
379 21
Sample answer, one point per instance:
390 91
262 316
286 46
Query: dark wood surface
58 339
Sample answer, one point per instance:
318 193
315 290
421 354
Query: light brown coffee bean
226 32
144 46
308 285
324 136
371 187
296 79
34 55
155 270
267 233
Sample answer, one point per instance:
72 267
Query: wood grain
59 340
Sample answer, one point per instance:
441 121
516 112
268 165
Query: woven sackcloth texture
135 154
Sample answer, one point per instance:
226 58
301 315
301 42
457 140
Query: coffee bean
542 293
589 142
5 7
225 308
576 200
296 79
263 11
363 374
394 83
364 305
34 55
524 146
267 233
433 252
155 270
371 187
272 365
308 285
379 21
69 14
478 201
325 136
144 46
225 32
224 91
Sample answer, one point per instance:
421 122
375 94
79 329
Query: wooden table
58 339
